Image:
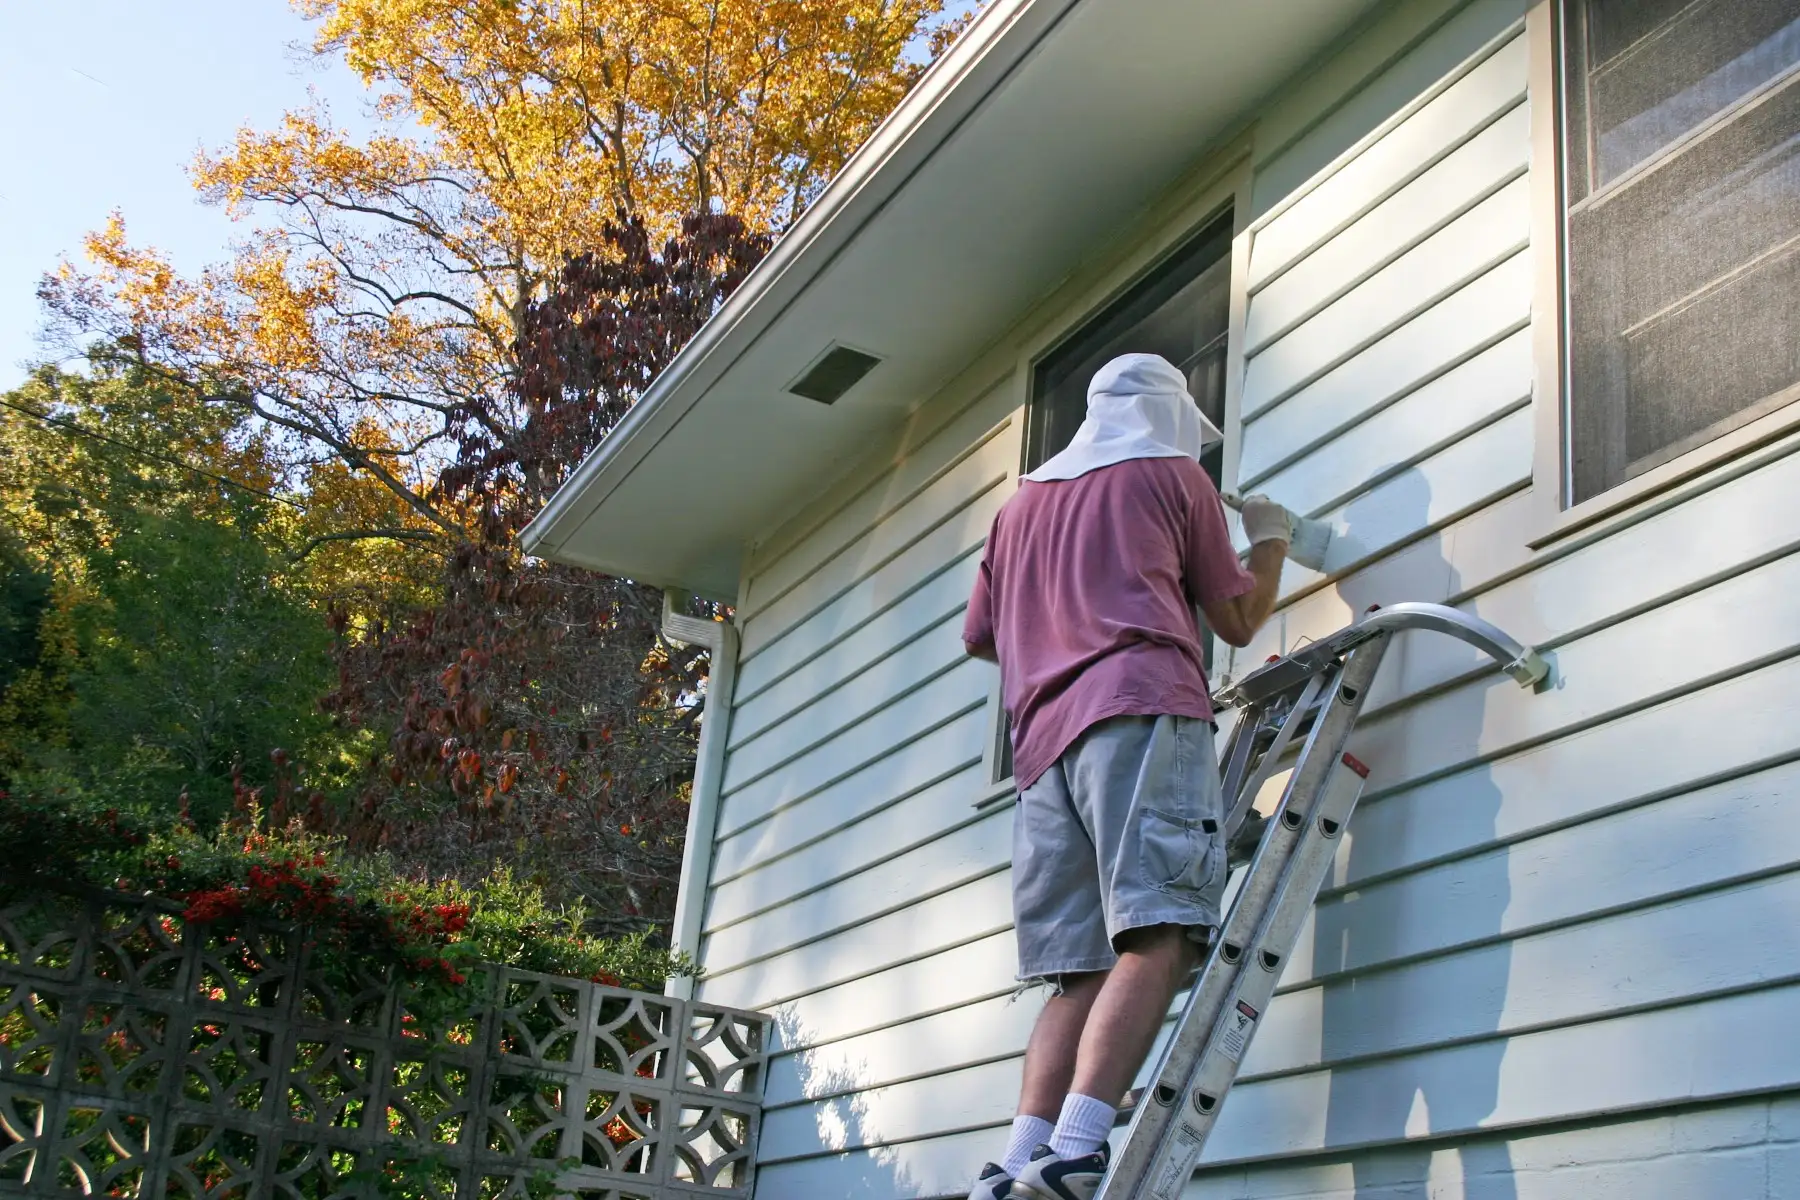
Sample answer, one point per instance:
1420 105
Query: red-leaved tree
535 717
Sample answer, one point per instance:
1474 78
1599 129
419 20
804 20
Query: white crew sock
1028 1133
1085 1123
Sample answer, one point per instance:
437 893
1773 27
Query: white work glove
1266 521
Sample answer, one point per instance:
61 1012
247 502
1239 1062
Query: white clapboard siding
1491 462
1732 727
1464 562
1731 627
938 1167
1735 1046
1745 1148
1730 831
911 666
858 843
1703 1050
908 769
981 472
960 915
938 598
1494 230
954 858
988 1029
924 450
981 1094
1447 409
1583 967
912 715
1606 581
1463 324
1485 163
1450 564
891 584
1640 959
1478 98
963 974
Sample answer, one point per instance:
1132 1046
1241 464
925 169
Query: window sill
1621 504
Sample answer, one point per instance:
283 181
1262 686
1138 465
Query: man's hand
1266 521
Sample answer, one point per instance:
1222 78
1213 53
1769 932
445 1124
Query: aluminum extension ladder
1312 696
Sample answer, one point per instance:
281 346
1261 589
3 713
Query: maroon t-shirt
1086 594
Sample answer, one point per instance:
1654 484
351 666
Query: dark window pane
1681 322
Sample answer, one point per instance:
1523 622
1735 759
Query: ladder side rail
1254 987
1167 1129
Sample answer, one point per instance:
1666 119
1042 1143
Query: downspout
721 639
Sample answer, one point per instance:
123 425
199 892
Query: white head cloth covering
1138 407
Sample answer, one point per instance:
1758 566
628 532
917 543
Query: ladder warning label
1235 1036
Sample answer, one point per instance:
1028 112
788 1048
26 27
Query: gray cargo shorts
1123 831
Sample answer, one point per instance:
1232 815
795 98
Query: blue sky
102 105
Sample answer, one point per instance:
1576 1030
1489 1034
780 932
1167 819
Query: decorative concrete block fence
142 1055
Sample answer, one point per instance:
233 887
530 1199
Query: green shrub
361 914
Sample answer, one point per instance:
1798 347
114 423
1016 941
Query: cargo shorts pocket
1179 856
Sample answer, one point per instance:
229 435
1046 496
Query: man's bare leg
1055 1040
1125 1016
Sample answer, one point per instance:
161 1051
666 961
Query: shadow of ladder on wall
1312 697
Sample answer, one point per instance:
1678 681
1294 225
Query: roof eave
1001 38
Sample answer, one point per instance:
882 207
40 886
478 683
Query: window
1180 310
1681 142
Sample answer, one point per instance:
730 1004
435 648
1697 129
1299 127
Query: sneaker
1047 1177
993 1184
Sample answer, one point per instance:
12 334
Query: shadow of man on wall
1394 1104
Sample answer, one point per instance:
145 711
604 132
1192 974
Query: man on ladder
1086 597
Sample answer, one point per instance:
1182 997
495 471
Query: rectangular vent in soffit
833 373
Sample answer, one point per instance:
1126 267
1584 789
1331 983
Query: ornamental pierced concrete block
144 1056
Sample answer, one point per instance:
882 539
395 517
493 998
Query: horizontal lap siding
855 890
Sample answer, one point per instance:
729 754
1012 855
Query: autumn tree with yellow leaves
437 323
382 285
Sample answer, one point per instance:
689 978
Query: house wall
1557 957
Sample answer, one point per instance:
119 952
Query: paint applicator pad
1309 543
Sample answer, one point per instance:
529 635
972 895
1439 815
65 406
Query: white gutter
1002 37
721 639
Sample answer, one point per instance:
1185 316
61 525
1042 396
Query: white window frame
1553 517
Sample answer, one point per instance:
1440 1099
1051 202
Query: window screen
1682 137
1182 311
